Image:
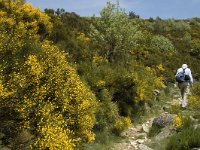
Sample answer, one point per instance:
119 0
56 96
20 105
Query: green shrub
196 89
162 43
187 123
174 109
194 99
104 141
154 130
181 122
107 112
122 124
185 140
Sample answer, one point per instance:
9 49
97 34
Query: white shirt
187 72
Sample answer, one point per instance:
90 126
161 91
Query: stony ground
136 138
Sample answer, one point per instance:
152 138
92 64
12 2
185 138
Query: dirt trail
137 136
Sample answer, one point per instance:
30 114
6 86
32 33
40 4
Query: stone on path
129 132
144 147
166 132
145 127
163 120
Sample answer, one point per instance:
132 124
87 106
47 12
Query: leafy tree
195 51
70 34
115 32
151 19
49 11
59 12
133 15
162 43
181 26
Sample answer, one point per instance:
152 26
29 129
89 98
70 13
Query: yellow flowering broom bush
49 95
178 122
122 124
146 80
37 82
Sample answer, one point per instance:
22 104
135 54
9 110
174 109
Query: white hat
184 66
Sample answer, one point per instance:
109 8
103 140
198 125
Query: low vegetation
68 82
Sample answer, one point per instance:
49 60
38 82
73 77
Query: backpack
180 77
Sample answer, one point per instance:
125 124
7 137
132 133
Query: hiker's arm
175 82
191 78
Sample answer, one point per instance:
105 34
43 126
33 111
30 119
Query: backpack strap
184 70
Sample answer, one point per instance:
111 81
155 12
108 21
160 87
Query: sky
165 9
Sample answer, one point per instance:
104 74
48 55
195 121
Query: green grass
104 141
173 109
185 140
154 130
161 145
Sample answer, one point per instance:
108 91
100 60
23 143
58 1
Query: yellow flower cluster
50 94
82 38
122 124
178 122
99 60
53 137
24 19
158 82
142 86
101 84
4 93
34 67
150 70
145 80
42 87
160 67
194 101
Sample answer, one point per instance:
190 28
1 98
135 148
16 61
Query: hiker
184 80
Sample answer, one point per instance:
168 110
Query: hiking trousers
185 91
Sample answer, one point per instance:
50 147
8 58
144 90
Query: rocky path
136 137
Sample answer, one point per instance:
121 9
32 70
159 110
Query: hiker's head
184 66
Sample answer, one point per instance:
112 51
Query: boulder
144 147
166 132
163 120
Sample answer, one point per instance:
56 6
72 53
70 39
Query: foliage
122 124
194 99
107 112
154 130
122 58
187 139
38 83
128 87
114 32
178 122
181 34
162 43
105 140
168 25
70 33
49 91
133 15
195 51
24 17
174 109
194 102
182 122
